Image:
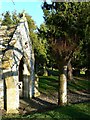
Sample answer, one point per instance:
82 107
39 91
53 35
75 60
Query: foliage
82 56
7 19
42 35
15 18
65 31
39 44
66 27
10 18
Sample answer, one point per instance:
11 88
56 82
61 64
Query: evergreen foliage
7 19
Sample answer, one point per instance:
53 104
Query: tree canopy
7 19
66 25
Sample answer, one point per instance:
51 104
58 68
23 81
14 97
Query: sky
32 7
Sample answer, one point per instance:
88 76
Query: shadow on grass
69 113
79 84
73 112
53 72
48 85
40 109
36 105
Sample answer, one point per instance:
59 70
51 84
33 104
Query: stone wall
1 95
15 44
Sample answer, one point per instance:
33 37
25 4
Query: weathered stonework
36 91
16 65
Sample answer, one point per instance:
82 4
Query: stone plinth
12 104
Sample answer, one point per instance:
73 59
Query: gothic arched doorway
24 80
20 85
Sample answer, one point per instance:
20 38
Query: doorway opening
24 80
21 82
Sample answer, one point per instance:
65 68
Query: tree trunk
45 71
62 93
70 75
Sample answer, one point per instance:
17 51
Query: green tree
42 34
38 45
7 19
66 29
82 56
15 18
42 37
85 49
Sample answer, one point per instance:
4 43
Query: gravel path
43 102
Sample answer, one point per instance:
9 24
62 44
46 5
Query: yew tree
82 57
65 30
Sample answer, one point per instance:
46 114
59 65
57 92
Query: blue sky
32 7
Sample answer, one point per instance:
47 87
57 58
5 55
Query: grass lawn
72 112
79 84
49 85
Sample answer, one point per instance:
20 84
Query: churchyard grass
79 111
48 85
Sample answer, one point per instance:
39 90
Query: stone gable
16 65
